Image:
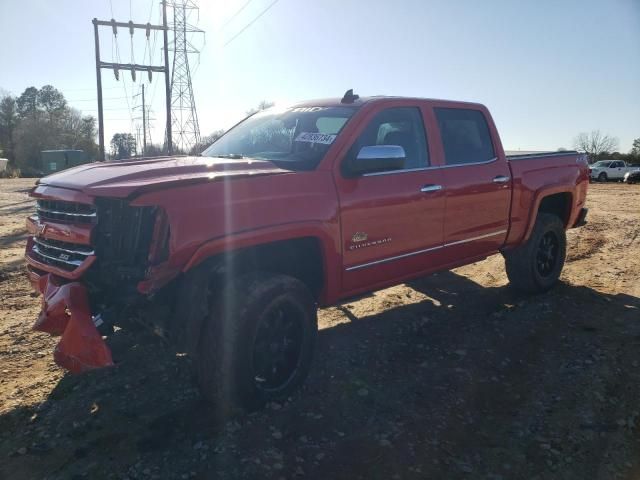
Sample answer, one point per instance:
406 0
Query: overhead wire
153 48
230 19
124 85
92 99
251 22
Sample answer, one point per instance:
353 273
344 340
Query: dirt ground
452 376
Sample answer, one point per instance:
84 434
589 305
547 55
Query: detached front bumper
66 312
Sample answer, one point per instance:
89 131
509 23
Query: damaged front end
66 312
89 258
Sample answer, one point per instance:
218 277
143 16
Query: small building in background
52 161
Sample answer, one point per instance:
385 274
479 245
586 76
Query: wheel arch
305 257
556 201
307 252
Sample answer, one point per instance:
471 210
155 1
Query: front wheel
602 177
535 266
258 342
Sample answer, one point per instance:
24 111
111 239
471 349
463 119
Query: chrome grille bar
46 244
71 214
75 263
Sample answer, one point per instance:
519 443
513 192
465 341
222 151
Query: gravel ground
451 376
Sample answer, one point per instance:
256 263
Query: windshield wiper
235 156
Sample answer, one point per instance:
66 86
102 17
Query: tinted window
397 126
465 136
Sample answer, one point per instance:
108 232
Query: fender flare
540 195
326 234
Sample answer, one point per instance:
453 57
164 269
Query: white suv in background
608 170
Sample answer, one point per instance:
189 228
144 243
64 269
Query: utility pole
99 85
144 124
146 132
167 86
132 67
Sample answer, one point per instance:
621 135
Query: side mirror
378 158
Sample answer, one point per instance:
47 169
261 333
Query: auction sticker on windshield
316 138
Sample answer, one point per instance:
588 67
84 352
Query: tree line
600 146
41 119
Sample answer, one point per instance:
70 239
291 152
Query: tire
602 177
258 342
535 266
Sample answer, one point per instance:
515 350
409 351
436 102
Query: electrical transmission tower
184 118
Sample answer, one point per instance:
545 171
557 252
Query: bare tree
263 105
205 142
595 144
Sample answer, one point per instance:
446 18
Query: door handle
431 188
501 179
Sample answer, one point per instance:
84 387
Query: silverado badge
359 237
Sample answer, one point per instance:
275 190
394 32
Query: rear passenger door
476 182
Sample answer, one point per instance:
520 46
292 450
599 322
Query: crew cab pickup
230 253
609 170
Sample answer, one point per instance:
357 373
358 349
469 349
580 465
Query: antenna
349 96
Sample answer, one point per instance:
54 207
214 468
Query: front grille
67 256
73 212
123 234
120 240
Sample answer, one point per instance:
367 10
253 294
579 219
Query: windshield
601 164
295 138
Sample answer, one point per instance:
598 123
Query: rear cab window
465 136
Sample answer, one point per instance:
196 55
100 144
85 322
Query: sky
546 69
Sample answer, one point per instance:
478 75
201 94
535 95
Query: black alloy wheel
547 254
277 346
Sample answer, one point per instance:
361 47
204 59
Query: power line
113 109
124 83
118 67
236 14
93 99
86 89
251 22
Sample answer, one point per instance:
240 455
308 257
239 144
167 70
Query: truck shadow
469 378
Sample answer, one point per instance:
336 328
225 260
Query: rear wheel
535 266
602 177
258 342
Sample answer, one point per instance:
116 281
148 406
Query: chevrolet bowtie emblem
359 237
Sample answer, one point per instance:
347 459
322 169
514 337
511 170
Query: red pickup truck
230 253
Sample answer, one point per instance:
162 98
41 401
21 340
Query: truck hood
124 179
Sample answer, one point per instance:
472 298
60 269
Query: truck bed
531 174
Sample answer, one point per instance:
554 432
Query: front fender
326 233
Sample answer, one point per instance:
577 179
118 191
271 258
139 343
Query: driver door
392 221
